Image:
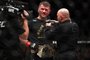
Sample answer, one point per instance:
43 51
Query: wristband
28 44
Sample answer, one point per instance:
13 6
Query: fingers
26 13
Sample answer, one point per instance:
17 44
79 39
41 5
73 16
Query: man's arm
24 36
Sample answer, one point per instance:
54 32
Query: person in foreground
37 27
66 34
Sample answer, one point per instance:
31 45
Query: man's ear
49 11
62 16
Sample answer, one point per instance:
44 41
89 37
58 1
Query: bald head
63 11
63 14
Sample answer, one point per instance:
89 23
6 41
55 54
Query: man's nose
44 10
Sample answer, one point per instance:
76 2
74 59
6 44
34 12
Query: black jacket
9 33
66 34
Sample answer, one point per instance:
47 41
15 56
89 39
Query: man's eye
42 8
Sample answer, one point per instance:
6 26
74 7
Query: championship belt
45 51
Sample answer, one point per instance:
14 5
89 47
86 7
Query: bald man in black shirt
66 34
